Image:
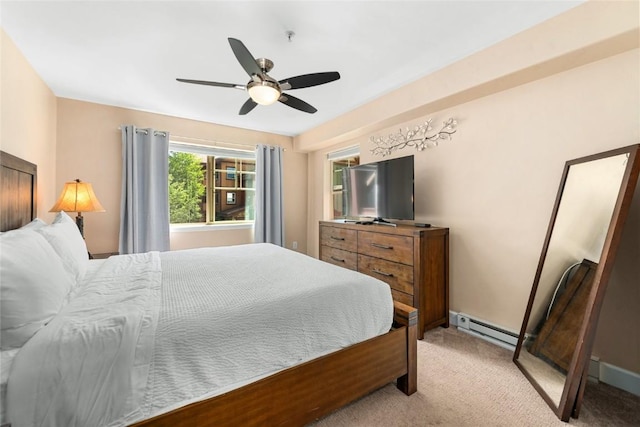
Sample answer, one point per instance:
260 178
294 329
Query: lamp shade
77 196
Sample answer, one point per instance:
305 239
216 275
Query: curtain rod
146 132
195 139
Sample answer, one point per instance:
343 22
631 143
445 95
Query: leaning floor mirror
558 329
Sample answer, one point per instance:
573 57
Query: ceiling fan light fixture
262 88
264 92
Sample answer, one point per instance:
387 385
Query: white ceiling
129 53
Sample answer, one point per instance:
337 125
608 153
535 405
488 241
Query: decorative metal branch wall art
418 137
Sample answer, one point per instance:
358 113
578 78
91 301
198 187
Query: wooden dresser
414 261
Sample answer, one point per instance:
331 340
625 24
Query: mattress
153 332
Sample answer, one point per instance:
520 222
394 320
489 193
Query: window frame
332 157
211 186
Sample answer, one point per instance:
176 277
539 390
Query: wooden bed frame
292 397
17 191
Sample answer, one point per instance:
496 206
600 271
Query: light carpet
466 381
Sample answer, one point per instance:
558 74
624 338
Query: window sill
186 228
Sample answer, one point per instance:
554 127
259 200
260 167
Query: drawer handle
382 273
337 259
378 245
337 238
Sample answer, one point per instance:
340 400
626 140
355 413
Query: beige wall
28 120
89 148
565 89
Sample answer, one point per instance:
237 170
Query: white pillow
33 288
34 225
66 240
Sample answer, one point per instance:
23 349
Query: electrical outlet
294 245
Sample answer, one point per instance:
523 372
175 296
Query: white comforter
152 332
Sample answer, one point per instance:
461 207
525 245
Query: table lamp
77 196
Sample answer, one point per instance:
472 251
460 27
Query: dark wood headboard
18 185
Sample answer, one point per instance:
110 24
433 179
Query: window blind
344 153
211 151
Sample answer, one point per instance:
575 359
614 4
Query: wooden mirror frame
575 382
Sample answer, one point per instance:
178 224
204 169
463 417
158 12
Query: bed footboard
407 316
306 392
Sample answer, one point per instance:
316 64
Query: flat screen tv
381 190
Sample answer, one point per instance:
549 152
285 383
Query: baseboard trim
614 376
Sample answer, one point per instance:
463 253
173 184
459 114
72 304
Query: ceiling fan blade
244 57
247 106
308 80
204 82
296 103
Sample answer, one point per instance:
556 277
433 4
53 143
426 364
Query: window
338 161
210 185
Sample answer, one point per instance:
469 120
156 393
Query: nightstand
103 255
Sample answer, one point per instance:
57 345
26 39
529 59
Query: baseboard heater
598 371
484 330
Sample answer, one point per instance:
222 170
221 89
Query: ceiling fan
262 88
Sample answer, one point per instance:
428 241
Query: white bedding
184 326
7 356
6 360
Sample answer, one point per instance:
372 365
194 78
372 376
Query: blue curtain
144 210
269 222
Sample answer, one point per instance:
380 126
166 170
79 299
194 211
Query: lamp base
80 224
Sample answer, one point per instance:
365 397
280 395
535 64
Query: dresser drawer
398 276
386 246
339 238
339 257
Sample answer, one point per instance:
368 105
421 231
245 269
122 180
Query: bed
312 382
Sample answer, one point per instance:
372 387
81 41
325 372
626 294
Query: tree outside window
187 201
